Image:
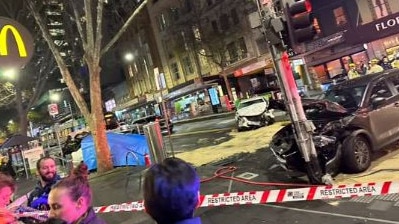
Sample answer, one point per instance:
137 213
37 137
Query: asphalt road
197 134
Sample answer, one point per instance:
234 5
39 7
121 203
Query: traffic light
301 21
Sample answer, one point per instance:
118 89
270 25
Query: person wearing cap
374 67
352 73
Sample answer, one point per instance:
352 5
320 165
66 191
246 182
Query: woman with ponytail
70 199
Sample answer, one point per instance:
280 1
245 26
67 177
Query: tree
210 33
88 16
36 71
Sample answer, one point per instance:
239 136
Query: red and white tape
275 196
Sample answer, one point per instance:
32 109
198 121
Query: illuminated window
340 17
380 8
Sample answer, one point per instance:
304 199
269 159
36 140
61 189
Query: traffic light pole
303 128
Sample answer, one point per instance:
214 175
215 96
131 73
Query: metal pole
165 115
302 127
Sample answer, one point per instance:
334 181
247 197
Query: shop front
256 78
193 100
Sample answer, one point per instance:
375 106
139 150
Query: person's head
46 169
70 198
385 59
352 66
374 61
171 191
81 170
7 188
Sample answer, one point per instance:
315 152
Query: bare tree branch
79 25
60 62
123 28
89 25
99 20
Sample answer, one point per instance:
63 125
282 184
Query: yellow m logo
18 39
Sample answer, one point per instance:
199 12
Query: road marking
332 214
226 121
201 132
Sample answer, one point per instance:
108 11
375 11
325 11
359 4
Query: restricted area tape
275 196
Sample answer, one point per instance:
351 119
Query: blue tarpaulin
120 145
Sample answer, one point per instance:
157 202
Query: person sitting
70 200
171 192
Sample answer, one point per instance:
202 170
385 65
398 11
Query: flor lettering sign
16 44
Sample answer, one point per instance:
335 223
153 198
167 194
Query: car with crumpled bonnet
352 119
253 113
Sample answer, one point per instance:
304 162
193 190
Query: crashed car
351 120
252 113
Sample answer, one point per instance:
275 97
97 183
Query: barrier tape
274 196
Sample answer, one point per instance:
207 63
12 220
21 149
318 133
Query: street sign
53 109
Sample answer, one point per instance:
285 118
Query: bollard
153 134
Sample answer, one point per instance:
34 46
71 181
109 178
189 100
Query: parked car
352 119
137 125
253 112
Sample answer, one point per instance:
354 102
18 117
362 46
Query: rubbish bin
153 134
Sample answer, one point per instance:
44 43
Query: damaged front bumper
289 157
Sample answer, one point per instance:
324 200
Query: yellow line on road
201 132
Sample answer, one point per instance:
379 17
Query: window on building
174 14
196 32
242 47
215 26
380 8
234 16
188 5
232 50
188 65
175 70
340 17
224 22
162 22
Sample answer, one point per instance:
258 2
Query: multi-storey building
350 31
208 47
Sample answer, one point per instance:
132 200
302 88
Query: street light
129 57
10 74
55 97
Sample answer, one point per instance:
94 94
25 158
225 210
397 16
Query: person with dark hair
81 170
70 200
47 172
171 192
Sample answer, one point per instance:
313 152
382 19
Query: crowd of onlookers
374 66
171 194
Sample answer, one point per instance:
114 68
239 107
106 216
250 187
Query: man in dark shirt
47 172
171 191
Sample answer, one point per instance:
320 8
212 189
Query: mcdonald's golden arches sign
16 44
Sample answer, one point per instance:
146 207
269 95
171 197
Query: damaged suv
352 119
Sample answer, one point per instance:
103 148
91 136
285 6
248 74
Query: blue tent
120 145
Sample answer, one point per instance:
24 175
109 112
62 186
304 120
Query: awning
253 68
187 90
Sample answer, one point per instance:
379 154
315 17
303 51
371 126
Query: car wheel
357 154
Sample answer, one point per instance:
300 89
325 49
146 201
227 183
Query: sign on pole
53 109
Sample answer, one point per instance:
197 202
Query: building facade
207 46
351 31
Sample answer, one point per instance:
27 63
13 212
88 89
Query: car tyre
357 153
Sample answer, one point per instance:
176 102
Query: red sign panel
53 109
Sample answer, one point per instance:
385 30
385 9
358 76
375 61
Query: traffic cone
147 160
